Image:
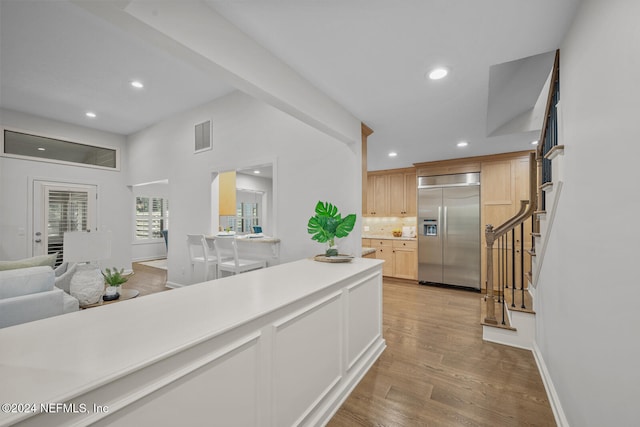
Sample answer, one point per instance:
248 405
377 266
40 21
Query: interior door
57 208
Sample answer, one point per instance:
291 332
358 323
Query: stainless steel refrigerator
449 230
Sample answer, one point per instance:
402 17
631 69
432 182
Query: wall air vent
203 137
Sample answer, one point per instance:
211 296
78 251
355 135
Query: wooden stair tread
546 185
554 152
498 311
528 301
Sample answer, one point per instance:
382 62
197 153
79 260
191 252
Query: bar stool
227 252
199 252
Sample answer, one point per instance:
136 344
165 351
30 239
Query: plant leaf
317 227
326 209
346 225
328 223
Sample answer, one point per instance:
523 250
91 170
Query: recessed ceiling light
438 73
534 142
137 84
463 144
90 114
256 171
41 149
393 154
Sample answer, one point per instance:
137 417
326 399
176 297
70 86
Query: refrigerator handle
444 229
440 219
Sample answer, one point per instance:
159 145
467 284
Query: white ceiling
371 56
59 61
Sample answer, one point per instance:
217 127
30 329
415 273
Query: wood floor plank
437 370
147 280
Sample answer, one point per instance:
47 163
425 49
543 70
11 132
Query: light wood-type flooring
436 370
147 280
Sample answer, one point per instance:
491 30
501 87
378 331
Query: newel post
491 305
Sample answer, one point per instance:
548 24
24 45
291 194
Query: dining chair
227 252
200 253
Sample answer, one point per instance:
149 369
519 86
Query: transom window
35 147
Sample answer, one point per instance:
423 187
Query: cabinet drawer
381 243
408 244
366 243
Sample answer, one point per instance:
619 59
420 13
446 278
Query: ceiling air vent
203 137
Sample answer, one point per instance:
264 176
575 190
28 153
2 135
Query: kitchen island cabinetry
232 351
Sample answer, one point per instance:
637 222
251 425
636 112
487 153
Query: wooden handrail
527 208
552 88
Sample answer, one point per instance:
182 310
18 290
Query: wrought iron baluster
522 272
513 267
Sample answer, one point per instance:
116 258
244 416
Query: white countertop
386 236
367 251
53 359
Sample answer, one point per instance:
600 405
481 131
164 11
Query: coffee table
125 294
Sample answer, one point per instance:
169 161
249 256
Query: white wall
309 166
15 174
588 317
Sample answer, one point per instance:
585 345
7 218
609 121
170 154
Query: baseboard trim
366 362
554 400
149 258
174 285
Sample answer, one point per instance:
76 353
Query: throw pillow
36 261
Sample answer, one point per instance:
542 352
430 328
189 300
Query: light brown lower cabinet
400 257
405 259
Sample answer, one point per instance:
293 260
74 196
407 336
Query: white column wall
114 201
588 316
309 166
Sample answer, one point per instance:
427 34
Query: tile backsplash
381 226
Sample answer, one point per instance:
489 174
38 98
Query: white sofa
28 294
64 272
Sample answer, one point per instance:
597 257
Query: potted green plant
327 225
113 278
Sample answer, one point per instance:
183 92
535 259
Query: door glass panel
58 209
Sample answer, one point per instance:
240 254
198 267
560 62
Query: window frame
150 219
55 161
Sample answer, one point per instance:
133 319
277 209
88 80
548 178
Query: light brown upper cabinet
392 193
378 195
402 194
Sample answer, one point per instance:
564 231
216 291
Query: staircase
508 306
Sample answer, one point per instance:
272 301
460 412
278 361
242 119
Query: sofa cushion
26 281
63 281
35 261
70 304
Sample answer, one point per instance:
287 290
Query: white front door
60 207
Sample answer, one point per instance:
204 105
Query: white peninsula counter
274 347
